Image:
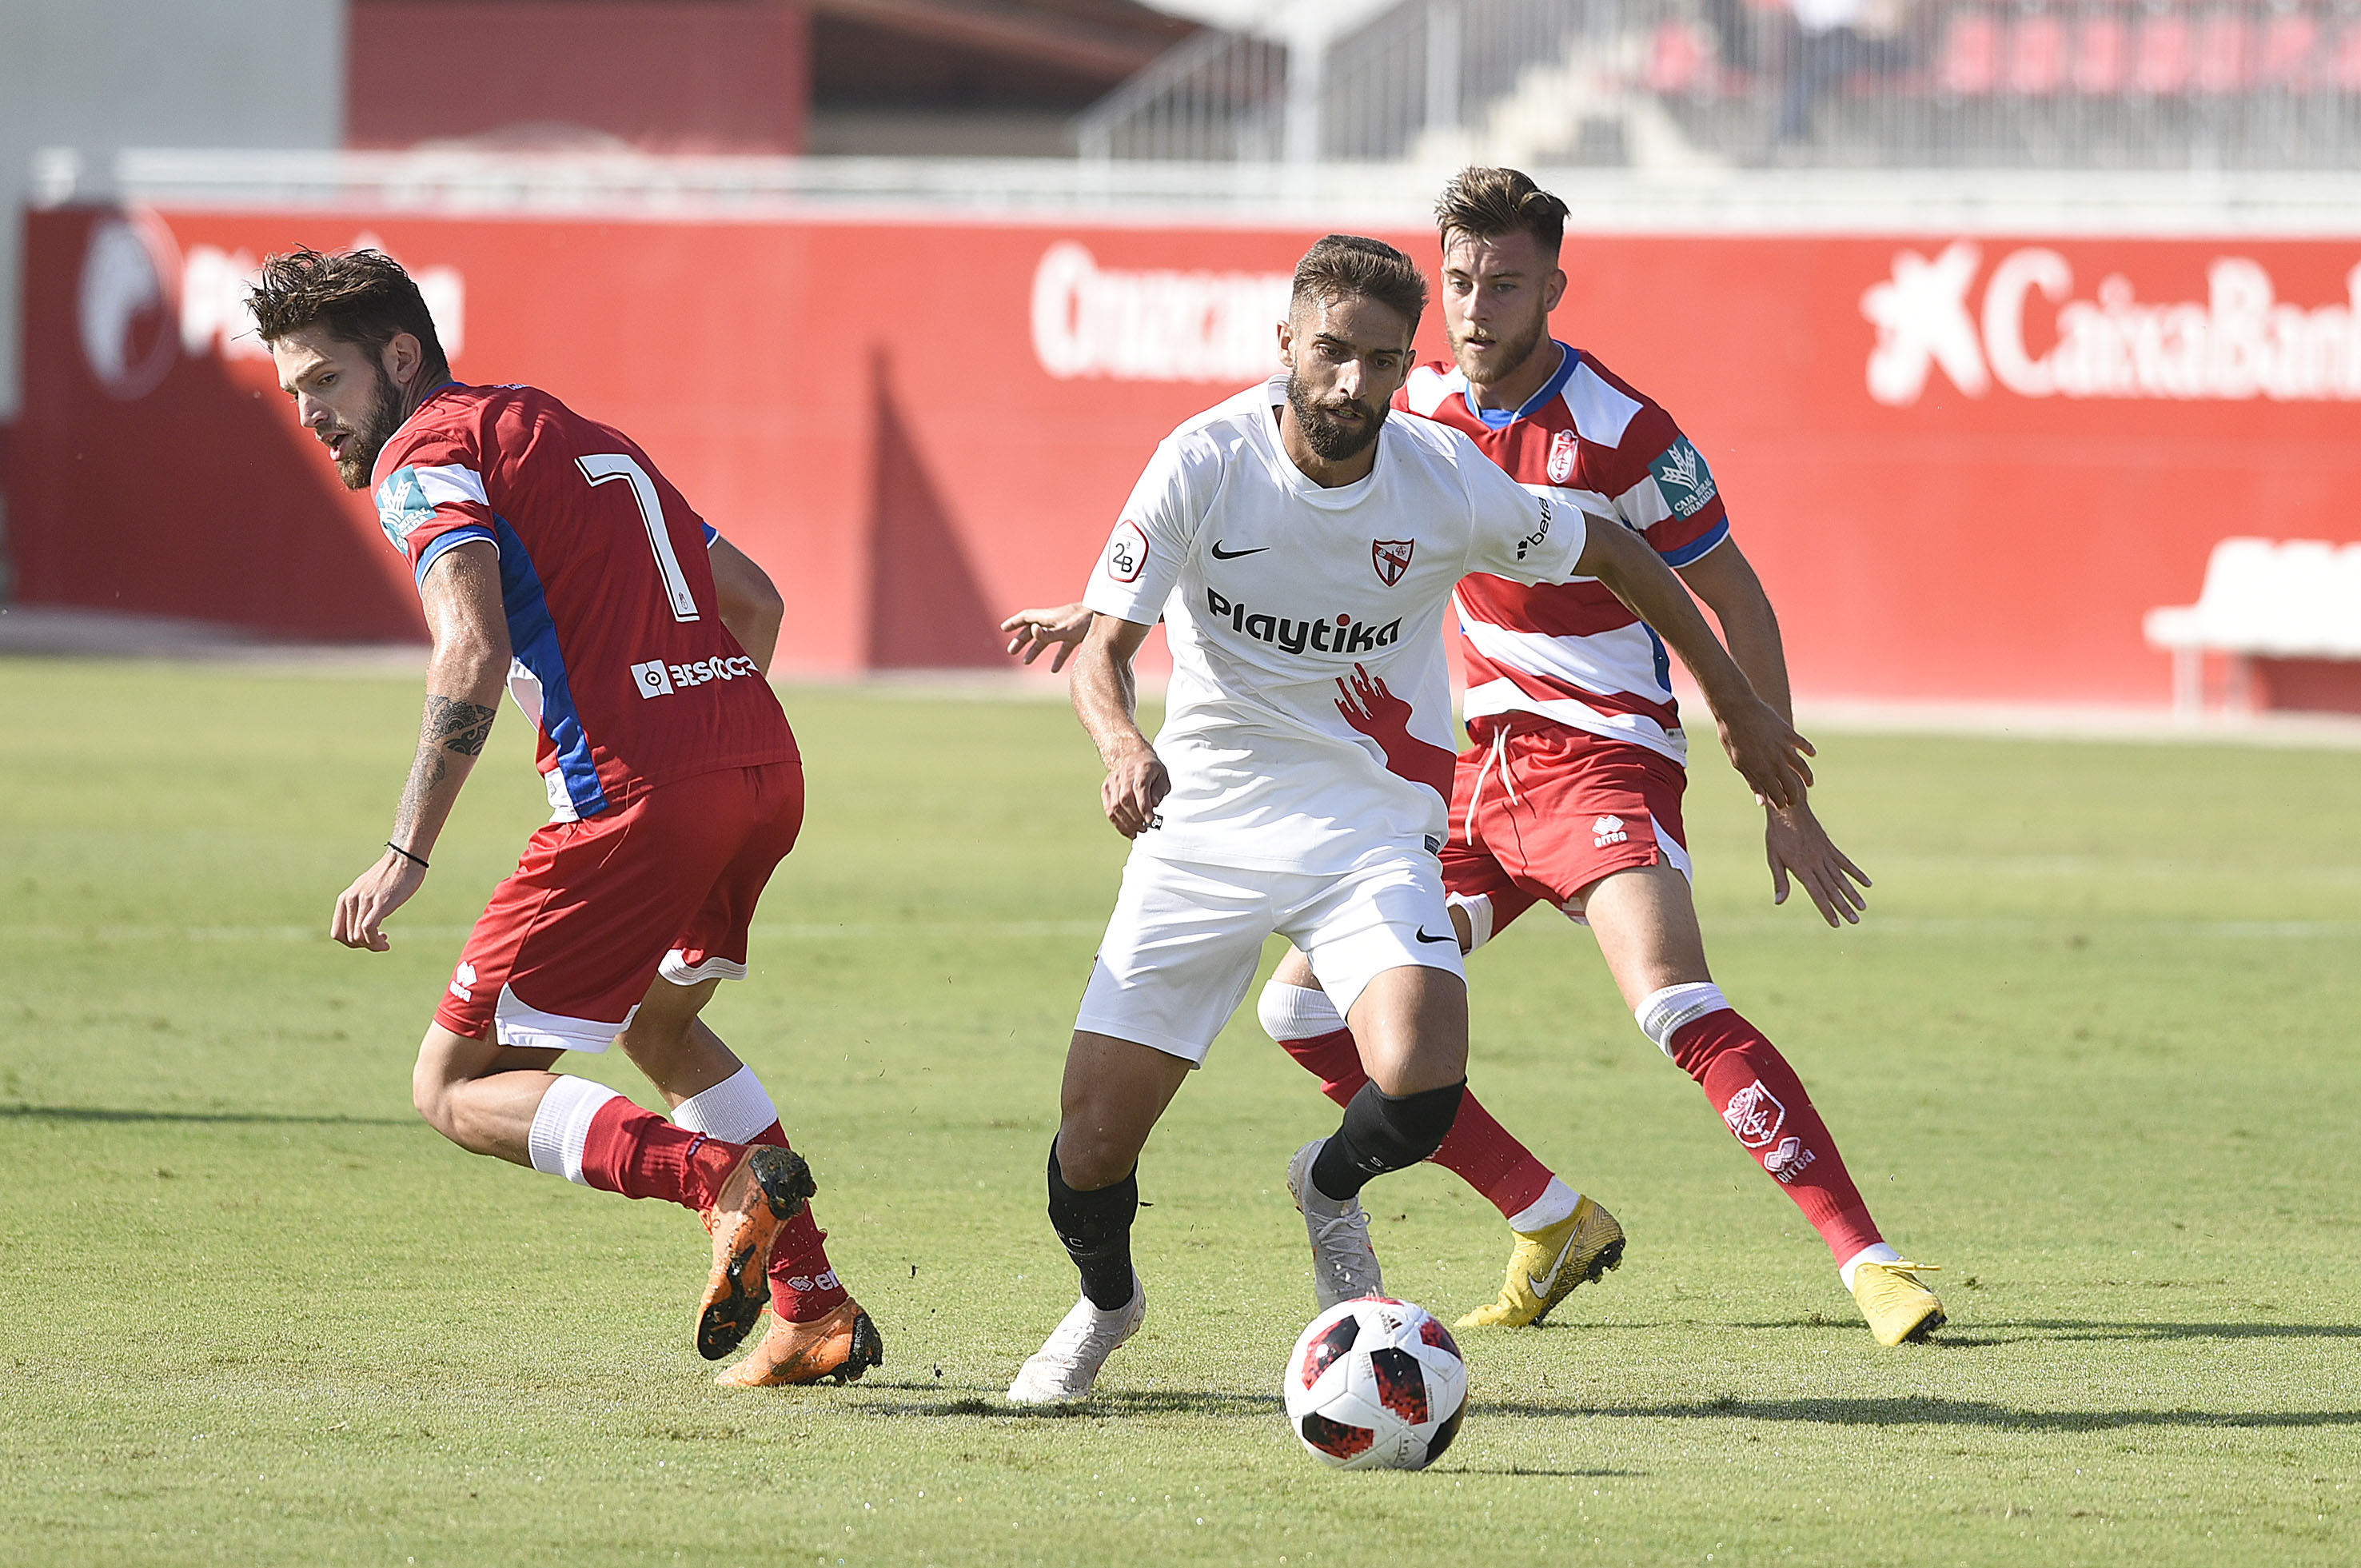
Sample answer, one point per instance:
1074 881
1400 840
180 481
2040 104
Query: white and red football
1375 1384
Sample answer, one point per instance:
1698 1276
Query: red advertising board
1965 467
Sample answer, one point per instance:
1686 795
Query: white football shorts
1185 938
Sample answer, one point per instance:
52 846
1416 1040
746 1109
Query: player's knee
1090 1161
1290 1011
430 1094
1471 916
1399 1130
1664 1012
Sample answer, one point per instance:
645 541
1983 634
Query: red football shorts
1538 816
596 909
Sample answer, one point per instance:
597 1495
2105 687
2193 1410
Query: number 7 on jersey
607 465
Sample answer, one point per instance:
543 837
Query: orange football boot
837 1348
765 1191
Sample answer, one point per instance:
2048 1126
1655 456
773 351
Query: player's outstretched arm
1762 745
464 676
1032 632
751 606
1794 842
1106 699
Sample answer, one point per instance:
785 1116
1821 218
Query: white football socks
1297 1011
1881 1253
560 1126
733 1110
1556 1204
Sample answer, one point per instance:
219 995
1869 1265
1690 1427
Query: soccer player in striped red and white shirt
1570 794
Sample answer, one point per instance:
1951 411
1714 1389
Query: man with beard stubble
552 557
1300 547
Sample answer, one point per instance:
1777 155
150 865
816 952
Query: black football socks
1096 1229
1383 1132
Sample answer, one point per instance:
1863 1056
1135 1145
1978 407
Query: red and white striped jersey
1571 652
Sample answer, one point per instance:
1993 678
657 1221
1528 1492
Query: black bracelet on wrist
408 856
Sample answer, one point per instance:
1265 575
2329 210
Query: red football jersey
1571 651
621 658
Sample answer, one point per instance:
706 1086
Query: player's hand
1766 751
362 908
1032 632
1135 784
1793 840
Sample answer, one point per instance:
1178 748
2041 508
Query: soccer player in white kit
1301 552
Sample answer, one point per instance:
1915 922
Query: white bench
2263 598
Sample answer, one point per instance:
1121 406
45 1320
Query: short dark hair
360 296
1486 203
1343 265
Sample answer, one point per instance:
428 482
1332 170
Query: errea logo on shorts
656 678
1608 830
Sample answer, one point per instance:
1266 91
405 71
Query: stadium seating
2300 599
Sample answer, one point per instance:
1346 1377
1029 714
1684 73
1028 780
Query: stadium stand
2099 84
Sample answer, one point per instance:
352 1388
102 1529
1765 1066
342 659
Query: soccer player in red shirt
1570 794
552 557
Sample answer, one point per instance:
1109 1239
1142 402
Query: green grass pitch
2093 1052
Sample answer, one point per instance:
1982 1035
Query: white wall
100 75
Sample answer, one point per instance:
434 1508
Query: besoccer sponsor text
656 678
1343 634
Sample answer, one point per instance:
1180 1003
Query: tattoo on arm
449 725
463 726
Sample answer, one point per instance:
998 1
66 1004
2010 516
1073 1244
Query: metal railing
2098 84
1219 96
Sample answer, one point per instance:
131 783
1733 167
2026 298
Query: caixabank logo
2240 340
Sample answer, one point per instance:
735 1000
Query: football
1375 1384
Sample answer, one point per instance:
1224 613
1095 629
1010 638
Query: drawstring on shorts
1498 756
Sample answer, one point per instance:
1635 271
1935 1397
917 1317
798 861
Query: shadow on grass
2070 1329
974 1402
1921 1411
2023 1330
1527 1470
260 1118
1108 1403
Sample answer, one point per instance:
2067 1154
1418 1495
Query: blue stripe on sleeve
711 534
444 541
1695 549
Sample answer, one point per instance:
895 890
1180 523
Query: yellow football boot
1547 1265
1896 1301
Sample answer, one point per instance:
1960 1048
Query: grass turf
2091 1051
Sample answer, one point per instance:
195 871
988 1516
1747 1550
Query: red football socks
804 1286
1479 1150
641 1154
1762 1103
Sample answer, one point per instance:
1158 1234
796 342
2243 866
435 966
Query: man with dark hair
1301 549
551 555
1570 792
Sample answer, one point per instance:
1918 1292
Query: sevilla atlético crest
1564 447
1392 557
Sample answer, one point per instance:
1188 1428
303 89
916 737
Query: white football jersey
1308 719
